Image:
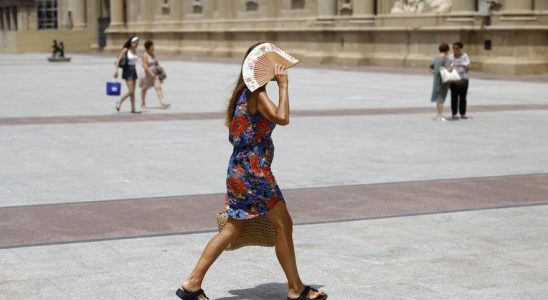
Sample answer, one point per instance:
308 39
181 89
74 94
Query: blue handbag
114 88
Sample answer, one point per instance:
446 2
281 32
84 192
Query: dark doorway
102 25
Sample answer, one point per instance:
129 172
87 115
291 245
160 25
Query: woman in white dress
151 76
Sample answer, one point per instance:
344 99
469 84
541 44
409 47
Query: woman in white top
151 76
459 90
127 60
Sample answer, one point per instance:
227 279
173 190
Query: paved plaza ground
96 204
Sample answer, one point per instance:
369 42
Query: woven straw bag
258 232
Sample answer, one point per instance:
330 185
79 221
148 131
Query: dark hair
443 47
458 44
128 42
239 87
148 44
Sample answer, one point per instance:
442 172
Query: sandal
304 294
181 293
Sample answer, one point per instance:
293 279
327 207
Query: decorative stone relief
197 7
421 6
165 8
297 4
251 5
345 7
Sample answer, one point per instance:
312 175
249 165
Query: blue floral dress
251 188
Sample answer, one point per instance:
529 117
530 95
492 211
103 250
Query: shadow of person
267 291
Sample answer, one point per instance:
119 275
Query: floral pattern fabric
251 187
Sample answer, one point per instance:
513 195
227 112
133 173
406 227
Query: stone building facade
402 33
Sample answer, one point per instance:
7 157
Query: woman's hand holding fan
280 75
259 65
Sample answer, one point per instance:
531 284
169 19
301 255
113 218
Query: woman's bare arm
146 66
277 114
122 52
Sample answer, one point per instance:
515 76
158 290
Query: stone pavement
96 204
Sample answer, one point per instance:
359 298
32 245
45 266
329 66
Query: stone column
327 9
79 14
364 9
117 13
176 10
13 24
518 7
463 11
5 24
384 7
147 11
225 9
464 7
5 20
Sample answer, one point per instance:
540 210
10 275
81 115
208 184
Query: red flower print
270 178
236 185
255 165
239 170
238 125
261 128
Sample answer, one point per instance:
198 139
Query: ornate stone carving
297 4
197 7
345 7
421 6
251 5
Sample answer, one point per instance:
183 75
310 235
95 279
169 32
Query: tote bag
114 88
449 76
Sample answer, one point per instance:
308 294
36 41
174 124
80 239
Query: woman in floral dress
251 188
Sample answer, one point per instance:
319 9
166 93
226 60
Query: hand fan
258 67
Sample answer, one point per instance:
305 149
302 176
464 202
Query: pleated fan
258 67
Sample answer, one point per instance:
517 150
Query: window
197 7
297 4
47 14
165 8
251 5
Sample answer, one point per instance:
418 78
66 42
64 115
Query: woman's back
247 129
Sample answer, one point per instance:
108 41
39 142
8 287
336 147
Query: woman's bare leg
439 108
143 97
214 248
127 95
285 250
159 91
131 92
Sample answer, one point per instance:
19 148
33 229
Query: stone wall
403 33
343 32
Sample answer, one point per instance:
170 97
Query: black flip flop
181 293
304 294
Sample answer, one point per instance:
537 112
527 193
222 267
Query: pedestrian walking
127 60
459 90
152 75
439 90
252 191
